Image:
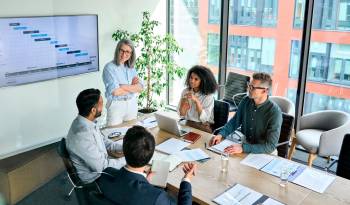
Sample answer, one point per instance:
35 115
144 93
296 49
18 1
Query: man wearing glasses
259 118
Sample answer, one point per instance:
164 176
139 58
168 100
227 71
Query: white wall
37 114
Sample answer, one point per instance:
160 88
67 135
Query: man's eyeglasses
252 87
125 51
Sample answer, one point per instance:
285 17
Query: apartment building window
318 61
214 11
254 12
327 14
339 69
317 102
213 49
270 13
237 51
344 15
294 59
251 53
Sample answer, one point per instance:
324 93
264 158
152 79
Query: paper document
171 146
115 132
192 155
257 161
239 194
149 122
219 148
315 180
278 164
161 171
172 159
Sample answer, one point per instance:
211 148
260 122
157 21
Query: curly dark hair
208 83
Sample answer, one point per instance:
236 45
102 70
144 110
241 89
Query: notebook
191 137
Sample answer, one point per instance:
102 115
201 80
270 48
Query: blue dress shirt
114 76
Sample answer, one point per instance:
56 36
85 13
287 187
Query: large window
195 25
263 38
254 48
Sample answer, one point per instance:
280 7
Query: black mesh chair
343 168
286 131
221 112
235 89
81 190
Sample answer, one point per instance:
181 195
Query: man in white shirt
86 145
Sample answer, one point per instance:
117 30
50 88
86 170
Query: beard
98 114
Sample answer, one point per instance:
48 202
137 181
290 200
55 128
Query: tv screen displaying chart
34 49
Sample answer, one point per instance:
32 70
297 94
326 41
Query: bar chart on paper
40 48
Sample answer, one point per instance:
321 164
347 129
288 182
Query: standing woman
197 100
122 84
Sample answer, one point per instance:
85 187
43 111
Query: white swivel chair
321 133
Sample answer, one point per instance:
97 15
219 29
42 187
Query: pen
205 145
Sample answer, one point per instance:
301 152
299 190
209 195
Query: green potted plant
154 64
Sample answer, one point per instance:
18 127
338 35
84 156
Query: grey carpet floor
54 192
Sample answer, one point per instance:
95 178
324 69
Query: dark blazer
124 187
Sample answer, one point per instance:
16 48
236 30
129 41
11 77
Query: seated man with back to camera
130 185
259 118
86 146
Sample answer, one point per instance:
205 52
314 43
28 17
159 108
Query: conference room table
210 182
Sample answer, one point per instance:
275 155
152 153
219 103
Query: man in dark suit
130 185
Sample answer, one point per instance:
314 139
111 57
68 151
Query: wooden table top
209 181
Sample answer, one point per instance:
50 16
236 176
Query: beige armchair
285 104
321 133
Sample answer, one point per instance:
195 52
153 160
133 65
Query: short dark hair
86 100
265 78
138 146
129 63
208 82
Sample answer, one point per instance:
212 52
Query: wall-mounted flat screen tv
34 49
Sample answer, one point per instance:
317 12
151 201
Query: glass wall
328 81
259 40
265 36
195 24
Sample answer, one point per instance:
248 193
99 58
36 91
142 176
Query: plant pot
147 110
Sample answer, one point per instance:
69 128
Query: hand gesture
234 149
189 170
215 140
135 81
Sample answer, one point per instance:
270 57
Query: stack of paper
257 161
239 194
313 179
300 174
171 146
219 148
149 122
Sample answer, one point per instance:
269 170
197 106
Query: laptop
170 125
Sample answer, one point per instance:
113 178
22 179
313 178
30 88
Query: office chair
343 168
321 133
284 103
221 112
286 131
81 190
99 199
235 89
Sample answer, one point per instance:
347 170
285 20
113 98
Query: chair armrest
331 140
